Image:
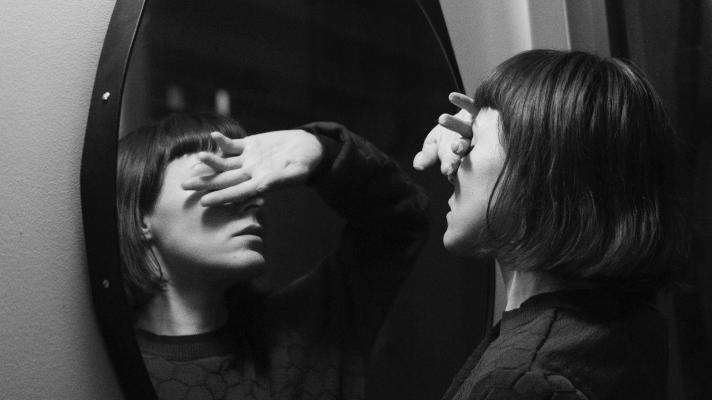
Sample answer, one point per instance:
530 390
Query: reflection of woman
566 176
190 227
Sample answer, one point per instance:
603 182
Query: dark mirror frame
98 188
98 193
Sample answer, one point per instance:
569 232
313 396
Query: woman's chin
452 242
253 264
246 266
460 245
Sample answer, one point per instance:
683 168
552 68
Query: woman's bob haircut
589 185
142 160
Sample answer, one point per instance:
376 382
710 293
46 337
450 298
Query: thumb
428 156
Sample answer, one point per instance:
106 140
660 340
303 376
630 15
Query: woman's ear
146 232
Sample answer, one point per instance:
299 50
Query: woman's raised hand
448 141
256 164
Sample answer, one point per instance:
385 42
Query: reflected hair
589 184
142 159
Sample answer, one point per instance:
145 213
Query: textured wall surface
49 341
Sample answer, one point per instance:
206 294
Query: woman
189 204
564 170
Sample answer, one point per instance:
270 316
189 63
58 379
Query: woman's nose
251 205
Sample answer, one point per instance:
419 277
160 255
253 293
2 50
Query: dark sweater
310 340
588 344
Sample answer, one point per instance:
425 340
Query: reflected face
474 182
191 241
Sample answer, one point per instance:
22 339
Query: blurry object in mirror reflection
175 98
222 102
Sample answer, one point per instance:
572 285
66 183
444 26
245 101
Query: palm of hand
280 158
256 164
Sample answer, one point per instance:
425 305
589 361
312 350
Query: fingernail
459 147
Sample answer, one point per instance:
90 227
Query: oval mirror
383 70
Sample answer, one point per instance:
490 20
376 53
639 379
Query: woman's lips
253 230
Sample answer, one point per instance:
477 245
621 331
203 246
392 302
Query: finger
216 181
232 194
463 101
229 147
449 163
429 154
219 163
458 125
426 157
461 147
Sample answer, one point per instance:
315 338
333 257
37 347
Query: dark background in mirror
375 67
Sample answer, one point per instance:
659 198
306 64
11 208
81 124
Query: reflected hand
448 141
256 164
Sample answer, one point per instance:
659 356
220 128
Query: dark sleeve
386 226
513 384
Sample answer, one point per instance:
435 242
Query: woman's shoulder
603 326
603 344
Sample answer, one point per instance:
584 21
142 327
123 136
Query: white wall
485 32
50 346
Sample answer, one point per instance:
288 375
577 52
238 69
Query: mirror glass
376 68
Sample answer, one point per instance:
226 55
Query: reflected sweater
310 340
586 344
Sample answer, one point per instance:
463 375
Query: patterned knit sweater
570 345
310 340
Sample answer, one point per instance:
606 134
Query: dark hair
588 189
142 160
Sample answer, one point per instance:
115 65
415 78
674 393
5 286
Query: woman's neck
521 285
184 311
